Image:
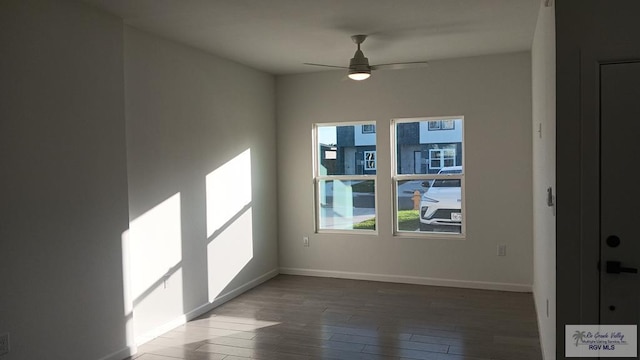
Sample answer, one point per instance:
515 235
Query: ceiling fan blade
402 65
323 65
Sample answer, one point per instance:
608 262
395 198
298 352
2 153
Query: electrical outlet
305 241
502 250
4 344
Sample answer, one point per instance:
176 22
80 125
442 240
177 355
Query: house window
345 181
368 129
330 155
428 201
448 124
369 160
439 158
435 125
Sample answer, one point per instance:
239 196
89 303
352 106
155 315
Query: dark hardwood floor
298 317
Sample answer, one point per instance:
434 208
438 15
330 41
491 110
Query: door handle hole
613 241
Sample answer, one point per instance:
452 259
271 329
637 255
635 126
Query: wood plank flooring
299 317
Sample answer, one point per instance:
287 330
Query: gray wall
70 160
494 95
188 115
544 170
64 183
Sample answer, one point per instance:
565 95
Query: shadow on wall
153 249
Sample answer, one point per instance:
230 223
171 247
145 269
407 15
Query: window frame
396 178
317 178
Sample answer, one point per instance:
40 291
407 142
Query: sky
327 135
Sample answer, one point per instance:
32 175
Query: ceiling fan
359 68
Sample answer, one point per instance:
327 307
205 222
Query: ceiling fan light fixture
359 75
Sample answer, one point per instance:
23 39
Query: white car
440 205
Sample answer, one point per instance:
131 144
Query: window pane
347 204
409 196
347 150
423 147
429 175
441 207
449 162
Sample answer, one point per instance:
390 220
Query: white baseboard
485 285
157 331
219 300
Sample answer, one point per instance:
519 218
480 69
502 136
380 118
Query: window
345 177
435 125
368 129
439 158
369 160
448 124
330 155
428 178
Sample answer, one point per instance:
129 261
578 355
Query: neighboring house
424 147
356 149
328 158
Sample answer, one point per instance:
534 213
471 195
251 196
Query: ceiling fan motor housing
359 63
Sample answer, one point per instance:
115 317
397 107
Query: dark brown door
619 193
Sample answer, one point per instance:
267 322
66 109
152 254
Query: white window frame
396 178
317 178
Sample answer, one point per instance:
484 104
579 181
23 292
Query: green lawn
408 220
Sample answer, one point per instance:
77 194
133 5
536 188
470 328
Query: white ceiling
277 36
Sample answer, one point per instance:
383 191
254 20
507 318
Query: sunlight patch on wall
229 222
228 253
156 264
228 191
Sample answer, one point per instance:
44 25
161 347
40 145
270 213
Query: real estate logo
601 341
